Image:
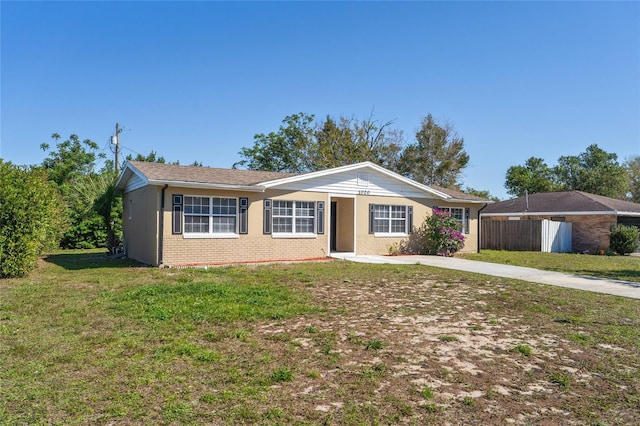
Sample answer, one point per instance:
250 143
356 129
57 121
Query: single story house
591 215
189 216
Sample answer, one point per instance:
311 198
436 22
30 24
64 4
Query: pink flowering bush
438 235
442 234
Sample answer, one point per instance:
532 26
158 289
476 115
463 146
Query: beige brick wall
370 244
254 246
142 225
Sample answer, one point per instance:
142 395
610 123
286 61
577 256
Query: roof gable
562 202
360 178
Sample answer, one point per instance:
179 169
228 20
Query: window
224 215
387 219
210 215
460 215
293 217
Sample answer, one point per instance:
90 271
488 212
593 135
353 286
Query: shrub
442 234
624 239
30 218
439 235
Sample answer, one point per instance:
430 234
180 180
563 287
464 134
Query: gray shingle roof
561 202
206 175
158 173
459 194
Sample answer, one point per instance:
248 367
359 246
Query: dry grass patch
334 343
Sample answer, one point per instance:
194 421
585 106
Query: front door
342 232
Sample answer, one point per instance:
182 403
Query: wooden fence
525 235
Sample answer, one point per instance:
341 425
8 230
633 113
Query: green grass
427 392
626 268
89 340
523 349
560 378
282 374
374 344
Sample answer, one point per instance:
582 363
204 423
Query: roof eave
623 213
566 213
464 200
204 185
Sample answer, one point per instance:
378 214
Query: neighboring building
592 216
188 216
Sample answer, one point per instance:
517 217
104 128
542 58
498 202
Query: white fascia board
628 213
463 200
125 176
602 213
351 167
120 178
204 185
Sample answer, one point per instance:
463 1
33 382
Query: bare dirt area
422 350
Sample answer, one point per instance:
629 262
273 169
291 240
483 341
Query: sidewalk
580 282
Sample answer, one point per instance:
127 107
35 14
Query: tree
481 193
534 176
96 196
31 220
381 143
348 141
437 157
595 171
68 166
285 151
334 144
71 159
153 157
632 166
86 229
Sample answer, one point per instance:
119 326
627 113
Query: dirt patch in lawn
421 350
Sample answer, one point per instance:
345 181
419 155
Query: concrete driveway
580 282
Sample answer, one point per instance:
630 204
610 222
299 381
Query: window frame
390 219
464 219
276 210
210 215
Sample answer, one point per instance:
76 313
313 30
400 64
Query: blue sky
196 80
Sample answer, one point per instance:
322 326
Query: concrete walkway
580 282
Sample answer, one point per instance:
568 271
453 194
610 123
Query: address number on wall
364 192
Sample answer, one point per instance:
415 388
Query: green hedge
624 239
30 218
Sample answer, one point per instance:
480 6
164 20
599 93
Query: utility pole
115 140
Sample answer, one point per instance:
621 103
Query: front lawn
86 340
626 268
